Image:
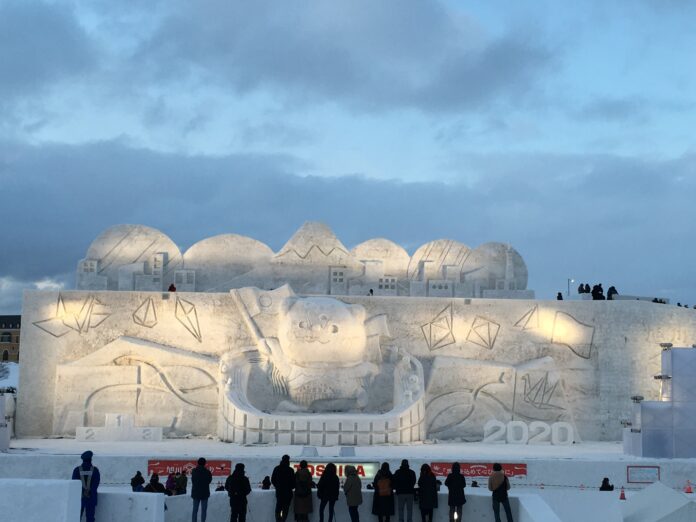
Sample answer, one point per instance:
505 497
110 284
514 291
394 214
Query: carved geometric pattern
540 393
438 332
483 332
92 313
312 249
185 312
574 334
146 314
529 320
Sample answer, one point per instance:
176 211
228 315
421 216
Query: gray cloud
617 109
622 221
40 44
12 290
372 55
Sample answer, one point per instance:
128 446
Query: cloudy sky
564 128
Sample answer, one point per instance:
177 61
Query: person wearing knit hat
89 477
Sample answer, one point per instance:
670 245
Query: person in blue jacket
89 477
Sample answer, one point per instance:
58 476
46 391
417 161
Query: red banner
219 468
478 469
364 469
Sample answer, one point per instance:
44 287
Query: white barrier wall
117 506
262 505
39 500
552 472
532 508
581 506
60 501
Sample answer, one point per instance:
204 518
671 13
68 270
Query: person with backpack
427 493
238 488
499 484
404 482
303 492
455 482
327 491
352 487
383 498
283 480
89 477
201 477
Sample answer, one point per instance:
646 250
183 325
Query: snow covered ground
9 375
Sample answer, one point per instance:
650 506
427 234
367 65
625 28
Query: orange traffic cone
622 496
688 488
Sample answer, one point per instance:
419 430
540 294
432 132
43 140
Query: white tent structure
659 503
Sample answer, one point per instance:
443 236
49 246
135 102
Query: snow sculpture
313 261
317 336
320 355
118 427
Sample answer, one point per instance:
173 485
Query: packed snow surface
9 375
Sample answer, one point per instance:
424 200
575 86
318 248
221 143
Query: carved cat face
323 330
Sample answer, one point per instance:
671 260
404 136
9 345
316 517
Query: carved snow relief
439 332
313 261
79 318
483 332
146 314
320 356
257 365
574 334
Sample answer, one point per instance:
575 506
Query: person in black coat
155 486
383 498
283 480
455 482
499 484
327 491
266 482
404 483
427 493
137 481
201 477
606 486
89 478
238 487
